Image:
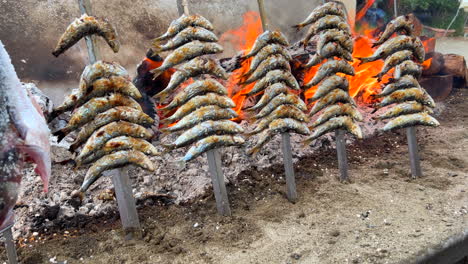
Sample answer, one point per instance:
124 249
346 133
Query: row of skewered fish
113 129
335 45
403 53
201 110
279 110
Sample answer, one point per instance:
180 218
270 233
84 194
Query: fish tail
306 143
298 27
56 53
167 147
165 131
156 72
78 194
364 60
253 151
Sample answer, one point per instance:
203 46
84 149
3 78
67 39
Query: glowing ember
427 64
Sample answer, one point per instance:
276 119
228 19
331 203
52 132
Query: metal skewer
213 156
120 178
341 154
413 153
285 137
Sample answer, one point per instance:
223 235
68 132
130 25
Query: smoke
31 29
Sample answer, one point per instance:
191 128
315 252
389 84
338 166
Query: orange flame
363 10
426 64
243 39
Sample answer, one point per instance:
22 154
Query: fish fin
156 72
375 44
363 60
43 162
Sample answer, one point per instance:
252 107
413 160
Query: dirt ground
380 217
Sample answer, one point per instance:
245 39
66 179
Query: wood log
455 65
437 63
438 86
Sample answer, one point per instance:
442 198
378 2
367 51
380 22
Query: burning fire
362 86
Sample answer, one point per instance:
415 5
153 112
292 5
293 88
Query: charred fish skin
267 37
330 8
270 93
403 121
114 84
290 99
401 23
272 77
204 129
329 84
264 53
112 161
85 26
340 122
406 81
331 67
183 22
118 144
410 107
396 44
210 112
335 35
199 101
187 52
333 97
394 60
324 23
124 113
338 110
97 105
199 87
411 94
283 111
189 70
330 50
210 143
185 36
273 62
112 130
408 67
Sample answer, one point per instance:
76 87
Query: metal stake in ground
341 154
213 156
413 152
286 139
10 245
123 189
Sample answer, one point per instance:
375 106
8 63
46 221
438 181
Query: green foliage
435 13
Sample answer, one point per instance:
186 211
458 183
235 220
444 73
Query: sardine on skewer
406 81
283 111
210 112
187 52
192 69
271 92
329 84
197 102
340 122
210 143
331 67
418 119
267 37
185 36
330 8
401 23
274 62
396 44
409 107
112 130
281 125
274 76
112 161
199 87
338 36
411 94
183 22
121 143
330 50
394 60
205 129
266 52
290 99
408 67
324 23
337 110
85 26
333 97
